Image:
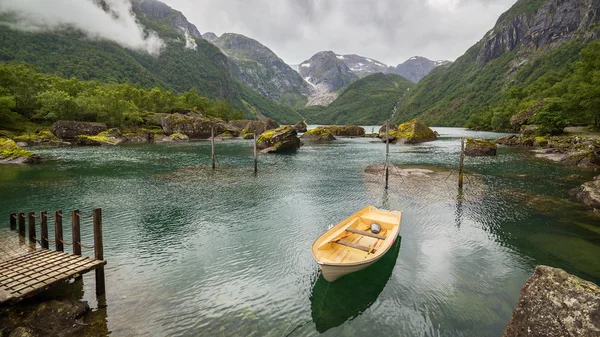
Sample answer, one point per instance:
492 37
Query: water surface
194 252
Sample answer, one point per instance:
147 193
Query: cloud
390 31
119 26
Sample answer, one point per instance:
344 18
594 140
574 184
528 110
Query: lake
193 252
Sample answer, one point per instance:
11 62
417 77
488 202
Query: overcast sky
390 31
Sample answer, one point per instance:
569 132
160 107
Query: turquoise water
194 252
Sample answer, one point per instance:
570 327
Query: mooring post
461 162
99 251
21 221
255 155
13 221
76 232
58 231
212 138
44 229
387 151
31 225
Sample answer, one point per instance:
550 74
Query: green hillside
69 53
365 102
500 76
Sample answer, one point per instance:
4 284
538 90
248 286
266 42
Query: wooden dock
27 268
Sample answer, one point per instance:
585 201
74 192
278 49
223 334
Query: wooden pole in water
99 251
58 231
21 221
461 162
212 137
387 152
75 221
31 225
255 155
44 229
13 221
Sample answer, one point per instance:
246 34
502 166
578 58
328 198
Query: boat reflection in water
333 303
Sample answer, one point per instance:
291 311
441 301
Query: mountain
187 61
327 74
533 42
417 67
261 69
363 66
367 101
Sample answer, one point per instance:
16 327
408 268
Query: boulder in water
588 193
300 126
282 139
480 147
556 303
412 132
382 130
10 153
318 133
194 125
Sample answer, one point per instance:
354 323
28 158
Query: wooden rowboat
351 245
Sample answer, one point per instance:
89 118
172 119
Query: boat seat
356 231
355 246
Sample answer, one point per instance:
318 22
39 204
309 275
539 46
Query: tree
55 105
585 88
222 109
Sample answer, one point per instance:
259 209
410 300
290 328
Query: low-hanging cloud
120 25
390 31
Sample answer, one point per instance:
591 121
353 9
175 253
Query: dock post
255 155
76 232
21 220
387 152
212 140
58 231
13 221
31 225
99 251
44 229
461 162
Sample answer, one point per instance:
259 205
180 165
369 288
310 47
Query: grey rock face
363 66
154 9
417 67
259 67
553 23
72 129
555 303
588 193
327 74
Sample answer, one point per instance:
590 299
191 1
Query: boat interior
352 240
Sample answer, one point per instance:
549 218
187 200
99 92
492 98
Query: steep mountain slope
416 67
261 69
186 61
365 102
530 40
327 74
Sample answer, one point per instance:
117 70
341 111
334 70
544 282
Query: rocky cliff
363 66
532 25
259 67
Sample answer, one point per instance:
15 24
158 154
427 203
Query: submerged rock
588 193
10 153
413 132
318 133
480 147
555 303
72 129
282 139
300 126
47 319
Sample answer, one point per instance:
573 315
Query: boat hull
334 272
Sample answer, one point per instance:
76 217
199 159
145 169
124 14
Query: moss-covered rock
282 139
412 132
556 303
318 133
383 128
540 141
257 127
44 137
72 129
109 137
10 153
480 147
194 125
